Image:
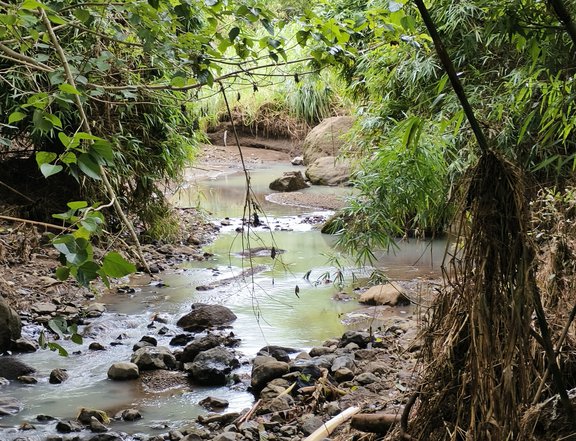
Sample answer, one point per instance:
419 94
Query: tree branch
23 59
565 18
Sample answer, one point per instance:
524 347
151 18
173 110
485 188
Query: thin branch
83 5
16 191
197 85
16 56
104 36
86 127
28 221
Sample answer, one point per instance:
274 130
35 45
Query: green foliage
60 327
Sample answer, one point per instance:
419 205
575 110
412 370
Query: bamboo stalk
329 426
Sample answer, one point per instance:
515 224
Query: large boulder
205 316
328 170
123 371
389 294
153 357
12 368
326 139
263 372
10 326
290 181
212 367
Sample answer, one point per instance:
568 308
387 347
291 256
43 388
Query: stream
270 309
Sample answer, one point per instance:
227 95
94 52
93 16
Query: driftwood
329 426
375 422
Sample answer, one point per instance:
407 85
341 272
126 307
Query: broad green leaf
178 82
56 19
82 14
91 223
40 121
87 272
104 150
15 117
56 347
76 338
8 19
87 136
53 119
76 205
50 169
88 166
62 273
31 5
68 157
114 265
38 100
68 88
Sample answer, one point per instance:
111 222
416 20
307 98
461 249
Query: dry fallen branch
330 425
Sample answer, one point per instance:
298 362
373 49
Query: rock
205 316
326 139
360 338
203 344
68 426
141 344
58 376
226 436
150 340
123 371
263 373
44 308
110 436
96 346
27 379
389 294
317 351
25 345
280 353
328 170
212 366
85 416
154 357
96 426
297 160
309 423
343 374
4 382
128 415
290 181
221 418
214 403
366 378
12 368
95 310
181 339
10 326
9 406
343 361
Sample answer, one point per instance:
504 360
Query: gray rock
129 415
226 436
95 310
297 160
265 372
27 379
9 406
10 326
343 361
359 337
58 376
390 294
343 374
203 344
317 351
96 426
211 367
25 345
328 170
290 181
123 371
96 346
12 368
205 316
86 415
4 382
109 436
44 308
326 139
366 378
214 403
280 353
309 423
154 357
68 426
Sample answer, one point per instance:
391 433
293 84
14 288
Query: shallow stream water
270 309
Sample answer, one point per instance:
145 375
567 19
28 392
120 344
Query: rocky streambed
295 391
